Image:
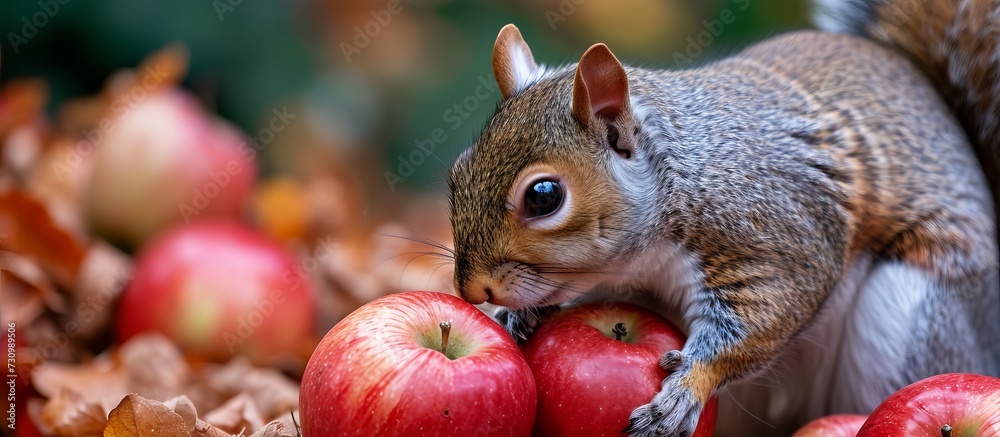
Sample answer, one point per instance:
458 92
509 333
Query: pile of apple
173 182
426 363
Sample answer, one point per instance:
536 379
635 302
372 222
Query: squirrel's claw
673 412
520 324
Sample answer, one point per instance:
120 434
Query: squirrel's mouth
524 286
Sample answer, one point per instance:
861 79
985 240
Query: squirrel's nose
475 294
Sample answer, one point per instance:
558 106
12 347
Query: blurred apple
160 160
595 364
219 289
387 370
837 425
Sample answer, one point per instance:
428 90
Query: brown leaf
20 101
28 271
26 228
136 416
281 209
95 380
104 272
21 147
35 426
153 366
70 414
184 408
238 414
197 427
272 392
21 300
285 426
204 429
167 67
60 180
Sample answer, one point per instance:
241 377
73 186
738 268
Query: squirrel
816 211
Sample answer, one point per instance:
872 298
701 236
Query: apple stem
946 430
445 331
619 331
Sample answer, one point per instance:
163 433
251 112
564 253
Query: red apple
159 161
220 289
384 371
837 425
592 375
968 404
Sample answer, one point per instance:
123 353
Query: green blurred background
366 98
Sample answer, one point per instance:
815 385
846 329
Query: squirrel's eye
542 198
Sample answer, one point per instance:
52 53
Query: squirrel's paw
522 323
673 412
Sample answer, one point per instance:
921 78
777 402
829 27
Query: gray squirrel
815 212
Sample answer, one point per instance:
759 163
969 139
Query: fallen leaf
26 228
21 101
184 408
154 367
103 274
21 300
98 382
21 148
236 415
70 414
204 429
34 426
272 392
285 426
28 271
60 180
281 208
137 416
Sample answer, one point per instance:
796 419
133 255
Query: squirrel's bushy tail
957 44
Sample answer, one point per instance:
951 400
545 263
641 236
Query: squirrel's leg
932 307
906 325
722 347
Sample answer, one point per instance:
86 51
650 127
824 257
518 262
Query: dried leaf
137 416
21 300
281 208
34 427
60 180
21 148
285 426
94 381
104 272
236 415
154 367
204 429
26 228
184 408
168 66
28 271
21 100
272 392
70 414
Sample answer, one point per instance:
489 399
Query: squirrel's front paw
522 323
674 410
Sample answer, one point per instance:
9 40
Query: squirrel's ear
601 86
513 65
